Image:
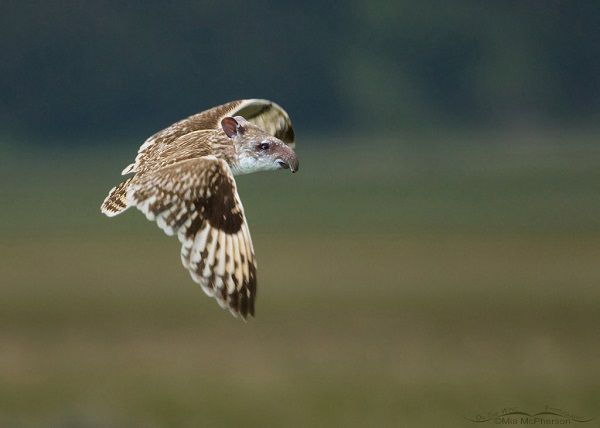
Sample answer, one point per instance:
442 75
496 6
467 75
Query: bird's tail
116 201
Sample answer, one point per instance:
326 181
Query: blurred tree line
96 68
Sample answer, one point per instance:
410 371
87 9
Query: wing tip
128 169
116 202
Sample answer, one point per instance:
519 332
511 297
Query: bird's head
256 150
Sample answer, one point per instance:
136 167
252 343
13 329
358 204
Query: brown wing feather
192 145
197 200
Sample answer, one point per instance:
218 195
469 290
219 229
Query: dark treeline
73 69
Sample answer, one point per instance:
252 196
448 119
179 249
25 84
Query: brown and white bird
183 179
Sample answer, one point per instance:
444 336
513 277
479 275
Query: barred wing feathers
197 200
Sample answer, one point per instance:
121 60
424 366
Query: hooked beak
288 160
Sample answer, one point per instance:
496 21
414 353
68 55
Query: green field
409 281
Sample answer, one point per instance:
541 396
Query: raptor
183 178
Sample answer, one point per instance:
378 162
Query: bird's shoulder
178 143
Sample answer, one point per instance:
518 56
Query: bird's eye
263 146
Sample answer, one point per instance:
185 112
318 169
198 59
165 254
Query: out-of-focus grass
401 284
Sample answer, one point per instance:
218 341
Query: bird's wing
194 144
197 200
267 115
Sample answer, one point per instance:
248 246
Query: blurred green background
436 257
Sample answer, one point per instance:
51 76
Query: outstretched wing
197 200
267 115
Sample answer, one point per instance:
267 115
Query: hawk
183 178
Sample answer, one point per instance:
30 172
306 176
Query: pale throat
245 165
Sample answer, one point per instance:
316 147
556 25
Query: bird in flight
182 178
